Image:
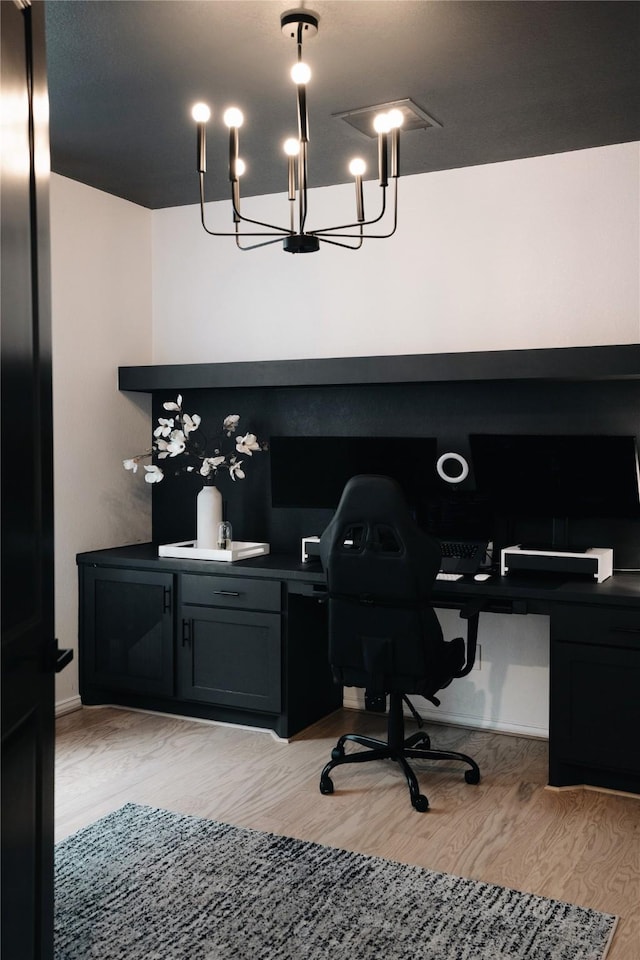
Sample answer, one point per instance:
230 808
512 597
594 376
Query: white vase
208 517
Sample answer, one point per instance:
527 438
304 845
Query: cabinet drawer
240 593
608 626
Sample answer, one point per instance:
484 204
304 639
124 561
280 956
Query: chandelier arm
234 233
366 223
365 236
346 246
282 232
254 246
322 234
302 184
212 233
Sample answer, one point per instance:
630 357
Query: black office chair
384 634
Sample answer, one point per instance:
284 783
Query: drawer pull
226 593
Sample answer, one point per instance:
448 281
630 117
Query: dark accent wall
448 410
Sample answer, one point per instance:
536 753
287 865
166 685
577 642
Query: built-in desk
246 643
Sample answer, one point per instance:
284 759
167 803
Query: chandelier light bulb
233 117
382 123
291 147
300 73
396 118
357 167
200 112
240 167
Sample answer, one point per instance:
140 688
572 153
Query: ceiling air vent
362 118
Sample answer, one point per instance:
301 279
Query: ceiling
505 80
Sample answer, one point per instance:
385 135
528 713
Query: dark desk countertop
144 556
535 593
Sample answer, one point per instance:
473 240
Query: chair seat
450 661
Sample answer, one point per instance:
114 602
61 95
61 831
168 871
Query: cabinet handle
167 600
226 593
186 632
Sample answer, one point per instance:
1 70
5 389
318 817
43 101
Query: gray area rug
146 884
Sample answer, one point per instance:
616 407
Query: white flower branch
180 436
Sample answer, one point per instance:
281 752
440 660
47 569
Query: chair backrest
380 566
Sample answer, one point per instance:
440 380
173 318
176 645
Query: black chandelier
296 238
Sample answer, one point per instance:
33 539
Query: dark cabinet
126 632
249 645
595 707
215 645
230 641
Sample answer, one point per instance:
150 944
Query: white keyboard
449 576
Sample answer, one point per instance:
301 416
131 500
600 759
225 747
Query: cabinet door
595 708
126 638
231 658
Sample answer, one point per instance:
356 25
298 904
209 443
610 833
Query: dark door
28 649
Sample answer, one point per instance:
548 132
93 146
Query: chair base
397 748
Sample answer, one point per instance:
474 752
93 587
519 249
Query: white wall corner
101 319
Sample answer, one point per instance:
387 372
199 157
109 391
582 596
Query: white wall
541 252
101 318
509 688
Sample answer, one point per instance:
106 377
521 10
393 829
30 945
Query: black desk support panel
247 643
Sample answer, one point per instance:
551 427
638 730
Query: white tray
187 550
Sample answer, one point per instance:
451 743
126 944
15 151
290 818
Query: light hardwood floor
580 846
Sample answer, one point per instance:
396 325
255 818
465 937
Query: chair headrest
373 497
375 507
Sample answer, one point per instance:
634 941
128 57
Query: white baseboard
354 700
70 705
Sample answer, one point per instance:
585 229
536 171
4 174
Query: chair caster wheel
472 776
337 753
326 786
420 803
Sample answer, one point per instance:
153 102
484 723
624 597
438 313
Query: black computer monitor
560 477
312 471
